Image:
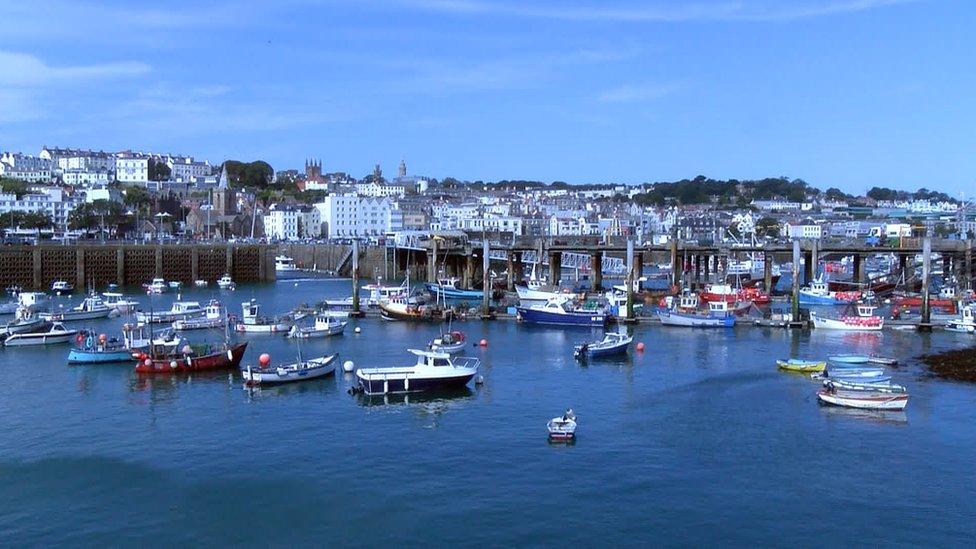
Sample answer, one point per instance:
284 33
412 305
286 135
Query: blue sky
846 93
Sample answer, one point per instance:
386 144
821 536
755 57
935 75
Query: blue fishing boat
558 311
447 288
612 344
99 351
818 293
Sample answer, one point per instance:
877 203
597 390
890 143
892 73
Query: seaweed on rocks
958 364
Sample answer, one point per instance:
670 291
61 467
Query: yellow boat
797 365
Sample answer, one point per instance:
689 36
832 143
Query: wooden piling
795 297
596 263
356 311
926 323
486 279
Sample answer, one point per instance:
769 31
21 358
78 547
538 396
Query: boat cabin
688 300
284 263
718 308
250 310
865 310
819 288
32 299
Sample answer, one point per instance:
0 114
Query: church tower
403 168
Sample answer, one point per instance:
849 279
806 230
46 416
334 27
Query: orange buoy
640 346
102 338
483 343
264 359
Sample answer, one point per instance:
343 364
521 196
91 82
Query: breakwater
36 267
337 259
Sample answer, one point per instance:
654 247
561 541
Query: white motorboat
175 284
90 309
180 310
531 298
449 342
325 325
226 282
157 286
303 370
562 428
62 287
433 370
285 268
25 320
56 334
118 302
965 323
252 322
201 283
382 293
213 317
141 337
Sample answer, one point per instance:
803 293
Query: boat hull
221 360
448 292
273 328
853 324
76 316
576 318
866 401
91 356
395 383
27 339
672 318
807 366
272 376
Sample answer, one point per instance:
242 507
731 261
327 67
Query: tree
13 186
251 175
100 213
158 171
26 220
767 226
136 197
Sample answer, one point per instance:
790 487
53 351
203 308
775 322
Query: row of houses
87 168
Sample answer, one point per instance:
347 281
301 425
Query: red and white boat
869 398
730 294
191 360
864 321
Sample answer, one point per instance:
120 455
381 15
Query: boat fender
406 383
172 364
230 355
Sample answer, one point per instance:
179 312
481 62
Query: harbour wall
337 258
36 267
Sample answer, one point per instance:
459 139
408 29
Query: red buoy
483 343
264 359
640 346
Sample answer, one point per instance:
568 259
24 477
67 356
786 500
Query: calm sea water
697 440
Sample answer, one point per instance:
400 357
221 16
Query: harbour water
697 440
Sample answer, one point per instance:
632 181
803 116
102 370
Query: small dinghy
865 385
613 343
797 365
874 399
303 370
563 428
451 342
875 359
325 325
849 359
226 283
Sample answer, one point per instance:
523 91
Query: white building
782 205
794 230
86 178
49 200
185 168
32 169
376 190
354 216
496 224
132 169
281 223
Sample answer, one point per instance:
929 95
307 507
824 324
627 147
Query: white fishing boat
62 287
285 268
864 399
141 337
529 297
25 320
55 334
382 293
226 283
324 326
201 283
34 301
213 317
864 321
90 309
254 323
966 322
433 370
303 370
562 428
157 286
180 310
118 302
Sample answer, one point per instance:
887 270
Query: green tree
100 213
158 170
251 175
13 186
137 197
767 226
26 220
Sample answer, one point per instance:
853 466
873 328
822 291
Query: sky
840 93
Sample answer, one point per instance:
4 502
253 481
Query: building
87 177
802 229
185 168
51 201
348 216
132 169
375 189
32 169
282 223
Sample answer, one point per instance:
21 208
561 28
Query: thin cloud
674 12
21 69
631 93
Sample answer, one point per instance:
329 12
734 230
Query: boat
90 309
9 307
26 320
718 315
192 359
449 342
285 268
613 343
180 310
433 370
557 311
529 297
157 286
400 307
213 317
325 325
864 321
818 293
55 334
118 302
201 283
797 365
34 301
303 370
380 293
175 284
562 428
253 322
849 359
62 287
866 385
226 283
966 323
863 399
887 361
140 338
732 295
100 350
852 372
944 305
447 288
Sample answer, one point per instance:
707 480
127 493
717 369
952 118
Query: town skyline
847 94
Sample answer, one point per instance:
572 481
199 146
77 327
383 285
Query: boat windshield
440 362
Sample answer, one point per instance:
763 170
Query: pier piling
768 272
486 282
555 268
596 261
632 277
356 312
859 268
795 296
675 265
926 323
969 264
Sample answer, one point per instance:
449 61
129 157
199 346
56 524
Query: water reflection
322 386
878 416
432 401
